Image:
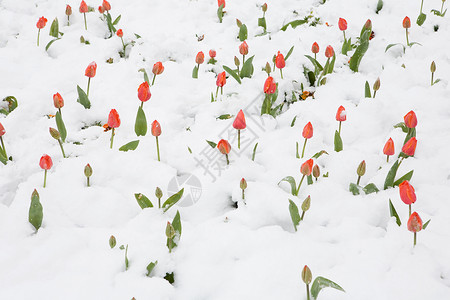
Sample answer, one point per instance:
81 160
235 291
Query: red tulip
58 101
119 33
415 223
389 148
409 148
406 23
68 10
307 167
158 68
106 5
156 128
410 119
407 193
113 119
101 9
91 70
46 162
221 2
224 147
270 86
329 52
308 131
243 48
41 22
200 58
2 130
221 79
239 121
279 61
144 92
341 115
342 24
212 53
83 7
315 48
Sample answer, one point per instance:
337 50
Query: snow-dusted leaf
289 53
212 144
293 121
393 213
293 211
195 72
150 268
294 24
354 189
414 43
262 23
319 154
421 19
426 224
355 60
367 90
291 181
224 117
309 179
143 201
402 126
321 283
172 200
243 33
35 214
315 63
247 67
389 181
338 146
254 151
232 73
220 13
54 29
83 98
370 188
116 21
61 127
407 176
140 126
3 158
379 6
129 146
50 43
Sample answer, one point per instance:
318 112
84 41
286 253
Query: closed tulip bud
341 115
68 10
342 24
83 7
389 147
112 242
239 121
238 23
306 167
306 275
224 147
410 119
221 2
236 61
41 22
221 79
243 48
91 70
406 23
361 168
2 130
409 148
212 53
329 52
158 68
200 58
54 133
307 131
156 128
368 24
415 223
113 119
279 61
46 162
243 184
106 5
268 68
144 91
306 203
316 171
101 9
58 101
264 7
433 67
158 193
407 192
170 231
270 86
315 48
88 170
119 33
376 85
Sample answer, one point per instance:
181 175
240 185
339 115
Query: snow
251 252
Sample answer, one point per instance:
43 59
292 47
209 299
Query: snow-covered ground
248 252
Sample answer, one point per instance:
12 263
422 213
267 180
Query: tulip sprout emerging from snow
433 69
158 194
243 186
318 284
440 13
112 242
68 13
57 136
376 86
170 234
88 173
361 171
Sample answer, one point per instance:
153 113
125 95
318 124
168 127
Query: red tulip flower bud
58 101
83 7
221 2
341 115
389 147
279 61
415 223
221 79
113 119
264 7
224 147
407 193
158 68
91 70
270 86
2 130
68 10
106 5
239 122
306 275
46 162
308 131
144 92
212 53
409 148
243 48
156 128
329 52
315 48
406 23
410 120
119 33
101 9
342 24
41 22
200 58
306 167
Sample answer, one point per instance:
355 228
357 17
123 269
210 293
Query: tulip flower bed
224 150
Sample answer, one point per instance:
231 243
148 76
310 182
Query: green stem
239 74
142 104
68 21
267 104
239 139
153 81
415 238
304 146
243 60
281 72
88 184
157 148
217 91
39 32
442 7
112 137
407 39
159 202
340 123
89 83
303 214
45 177
307 292
59 109
221 92
299 185
345 40
315 56
432 75
374 93
3 146
62 149
85 23
123 44
243 196
228 161
387 159
410 210
359 178
421 6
